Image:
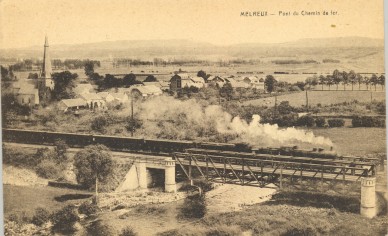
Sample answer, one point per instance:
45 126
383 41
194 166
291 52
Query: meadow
320 97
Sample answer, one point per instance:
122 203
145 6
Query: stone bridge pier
138 176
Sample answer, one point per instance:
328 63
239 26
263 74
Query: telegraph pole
132 123
307 101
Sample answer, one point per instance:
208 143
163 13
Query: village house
33 91
28 95
72 104
255 82
106 96
179 81
145 91
120 97
93 100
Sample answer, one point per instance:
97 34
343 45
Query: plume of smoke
166 117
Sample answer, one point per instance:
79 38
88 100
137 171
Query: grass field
27 198
355 141
322 97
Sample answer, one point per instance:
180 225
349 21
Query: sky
25 23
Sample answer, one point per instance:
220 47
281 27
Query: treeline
345 78
284 62
68 64
156 62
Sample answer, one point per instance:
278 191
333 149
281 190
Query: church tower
45 83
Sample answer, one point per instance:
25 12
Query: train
134 144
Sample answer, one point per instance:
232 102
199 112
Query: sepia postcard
193 117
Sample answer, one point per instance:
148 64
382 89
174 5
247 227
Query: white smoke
167 117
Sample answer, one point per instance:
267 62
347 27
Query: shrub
295 88
40 217
99 123
306 121
320 122
128 231
88 208
308 231
64 219
20 218
194 207
336 122
224 230
48 169
368 121
97 228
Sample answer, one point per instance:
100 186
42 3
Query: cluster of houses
87 98
31 92
180 81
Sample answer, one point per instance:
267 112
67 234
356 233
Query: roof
27 89
76 102
119 96
80 88
90 96
103 95
149 89
198 80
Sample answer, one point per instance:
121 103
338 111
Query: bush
368 121
194 207
88 208
306 121
320 122
48 169
224 230
336 122
308 231
20 218
97 228
128 231
99 123
40 217
64 219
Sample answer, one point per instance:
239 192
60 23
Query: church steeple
46 69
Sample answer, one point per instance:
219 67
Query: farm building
120 97
217 80
255 82
93 100
71 104
236 83
163 85
106 96
145 91
28 95
180 81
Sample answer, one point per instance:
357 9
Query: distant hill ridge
183 47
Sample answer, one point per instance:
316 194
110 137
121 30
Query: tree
64 84
382 81
33 76
337 77
329 80
202 74
89 68
270 83
93 164
110 81
226 91
374 80
130 79
352 78
150 78
359 79
322 80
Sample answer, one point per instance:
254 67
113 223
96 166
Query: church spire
46 69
